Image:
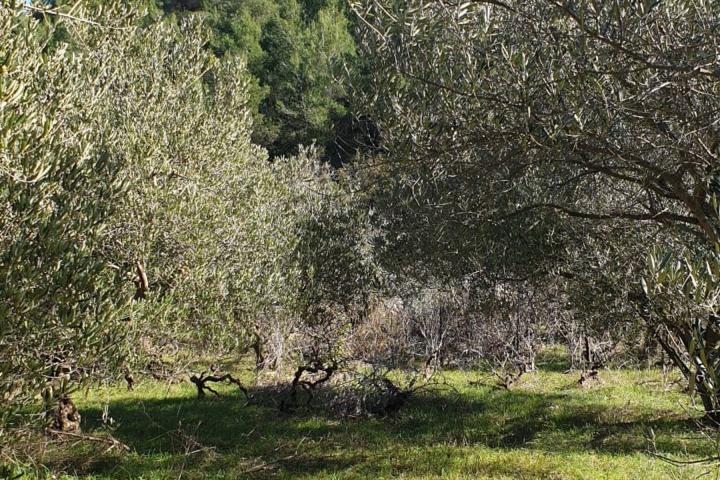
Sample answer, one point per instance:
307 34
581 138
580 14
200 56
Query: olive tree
219 246
562 113
127 172
317 267
190 167
60 310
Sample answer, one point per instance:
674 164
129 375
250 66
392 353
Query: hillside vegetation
355 232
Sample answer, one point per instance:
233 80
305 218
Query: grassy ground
546 427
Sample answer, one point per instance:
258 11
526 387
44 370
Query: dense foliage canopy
587 126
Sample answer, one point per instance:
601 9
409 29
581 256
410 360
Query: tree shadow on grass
227 438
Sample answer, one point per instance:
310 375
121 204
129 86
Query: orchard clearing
546 426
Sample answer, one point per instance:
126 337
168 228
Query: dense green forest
299 55
352 239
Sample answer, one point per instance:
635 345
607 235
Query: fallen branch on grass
265 465
110 441
201 381
684 463
269 464
371 392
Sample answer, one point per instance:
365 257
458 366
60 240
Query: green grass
545 427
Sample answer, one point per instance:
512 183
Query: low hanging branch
202 380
